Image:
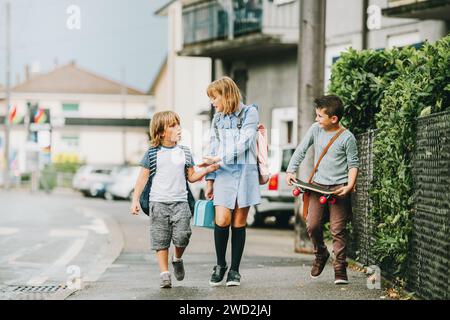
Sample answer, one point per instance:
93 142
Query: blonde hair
160 122
227 88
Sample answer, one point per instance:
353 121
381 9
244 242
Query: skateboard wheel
332 200
322 200
296 192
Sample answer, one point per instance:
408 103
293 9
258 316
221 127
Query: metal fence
430 244
362 235
429 253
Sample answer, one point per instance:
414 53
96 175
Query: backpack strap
153 156
324 152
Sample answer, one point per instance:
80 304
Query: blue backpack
144 200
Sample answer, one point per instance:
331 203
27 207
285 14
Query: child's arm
194 176
352 175
138 188
299 155
351 150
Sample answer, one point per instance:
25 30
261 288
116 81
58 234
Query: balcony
210 21
254 25
418 9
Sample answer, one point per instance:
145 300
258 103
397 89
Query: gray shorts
169 221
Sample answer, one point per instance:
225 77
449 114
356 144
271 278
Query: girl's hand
212 168
210 160
135 208
209 192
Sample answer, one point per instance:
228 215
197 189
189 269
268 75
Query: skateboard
302 187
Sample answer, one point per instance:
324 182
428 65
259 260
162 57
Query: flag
40 116
12 113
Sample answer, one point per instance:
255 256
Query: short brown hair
332 104
159 123
229 91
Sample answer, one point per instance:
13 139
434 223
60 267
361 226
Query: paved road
41 235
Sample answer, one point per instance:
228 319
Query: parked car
92 180
123 184
276 195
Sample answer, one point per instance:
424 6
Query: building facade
72 112
255 43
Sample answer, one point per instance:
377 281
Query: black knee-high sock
221 235
237 246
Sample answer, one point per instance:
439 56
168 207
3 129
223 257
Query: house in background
255 43
70 110
181 85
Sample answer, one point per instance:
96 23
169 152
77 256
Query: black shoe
233 278
217 276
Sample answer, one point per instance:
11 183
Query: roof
72 79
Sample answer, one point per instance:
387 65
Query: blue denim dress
237 178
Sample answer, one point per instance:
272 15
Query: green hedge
412 82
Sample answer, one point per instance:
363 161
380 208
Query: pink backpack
262 149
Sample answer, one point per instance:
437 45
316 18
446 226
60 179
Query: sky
113 35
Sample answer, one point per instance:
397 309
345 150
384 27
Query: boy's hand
212 167
135 208
290 177
343 191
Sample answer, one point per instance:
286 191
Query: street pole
311 60
6 173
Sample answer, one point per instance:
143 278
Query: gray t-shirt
340 157
169 182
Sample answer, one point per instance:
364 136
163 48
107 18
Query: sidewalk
270 270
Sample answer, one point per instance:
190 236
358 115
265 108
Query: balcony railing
398 3
210 20
418 9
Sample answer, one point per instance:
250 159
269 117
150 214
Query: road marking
8 231
98 226
76 233
64 260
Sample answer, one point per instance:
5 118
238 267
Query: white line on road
64 260
76 233
8 231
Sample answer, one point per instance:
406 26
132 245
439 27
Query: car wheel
283 220
254 218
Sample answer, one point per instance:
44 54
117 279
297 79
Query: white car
123 184
276 196
92 180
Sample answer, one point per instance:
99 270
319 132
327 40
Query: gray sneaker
178 269
166 282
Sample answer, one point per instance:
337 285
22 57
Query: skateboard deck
311 187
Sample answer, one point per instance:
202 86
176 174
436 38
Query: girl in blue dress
235 185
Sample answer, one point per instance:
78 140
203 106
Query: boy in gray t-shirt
337 171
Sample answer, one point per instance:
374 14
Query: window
70 108
287 155
70 142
